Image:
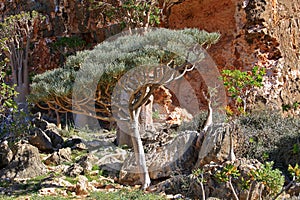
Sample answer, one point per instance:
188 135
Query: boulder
60 156
112 162
83 186
26 163
82 166
6 154
41 140
179 156
75 143
74 170
215 145
56 140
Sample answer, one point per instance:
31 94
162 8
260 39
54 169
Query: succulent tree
115 79
15 34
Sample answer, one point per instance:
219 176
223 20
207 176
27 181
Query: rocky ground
90 165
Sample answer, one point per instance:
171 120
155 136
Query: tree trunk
145 119
145 123
139 150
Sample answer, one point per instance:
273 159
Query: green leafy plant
240 83
261 138
295 173
129 14
7 92
296 105
13 121
228 173
67 46
198 174
271 178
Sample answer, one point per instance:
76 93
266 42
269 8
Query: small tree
15 34
239 84
102 68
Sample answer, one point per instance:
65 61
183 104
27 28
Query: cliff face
256 32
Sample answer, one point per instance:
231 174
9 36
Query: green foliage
138 12
198 173
228 172
13 122
288 107
135 13
69 42
239 83
16 31
156 115
110 60
68 45
271 178
295 172
7 92
13 22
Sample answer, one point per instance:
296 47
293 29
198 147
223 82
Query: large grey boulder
179 156
26 163
60 156
216 144
111 160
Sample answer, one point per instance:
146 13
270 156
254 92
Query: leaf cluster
7 92
15 27
271 178
295 172
227 172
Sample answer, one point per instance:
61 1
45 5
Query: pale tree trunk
19 63
145 119
139 150
145 122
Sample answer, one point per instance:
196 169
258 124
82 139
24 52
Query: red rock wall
72 17
254 32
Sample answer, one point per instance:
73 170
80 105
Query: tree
239 84
15 34
112 81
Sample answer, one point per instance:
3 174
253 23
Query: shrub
239 84
13 122
271 178
269 136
